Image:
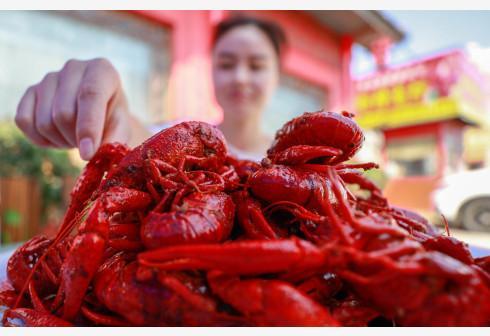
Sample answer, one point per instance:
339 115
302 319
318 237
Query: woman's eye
226 65
256 66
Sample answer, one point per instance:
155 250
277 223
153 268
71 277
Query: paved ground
480 239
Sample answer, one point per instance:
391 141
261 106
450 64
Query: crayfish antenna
446 225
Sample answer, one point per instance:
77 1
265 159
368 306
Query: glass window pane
33 43
414 156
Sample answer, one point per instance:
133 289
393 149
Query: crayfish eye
208 151
266 163
132 169
318 160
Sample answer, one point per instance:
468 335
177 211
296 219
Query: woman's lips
240 96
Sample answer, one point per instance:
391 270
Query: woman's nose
241 74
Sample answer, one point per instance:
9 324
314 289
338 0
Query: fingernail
86 148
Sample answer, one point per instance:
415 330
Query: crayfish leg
352 176
251 218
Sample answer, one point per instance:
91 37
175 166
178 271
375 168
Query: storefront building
423 110
164 57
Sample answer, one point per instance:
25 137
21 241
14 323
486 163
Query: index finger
99 84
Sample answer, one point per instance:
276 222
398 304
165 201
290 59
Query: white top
244 155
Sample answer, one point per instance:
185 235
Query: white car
464 199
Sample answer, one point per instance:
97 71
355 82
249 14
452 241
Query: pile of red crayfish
176 232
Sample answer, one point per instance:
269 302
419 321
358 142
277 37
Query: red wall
315 54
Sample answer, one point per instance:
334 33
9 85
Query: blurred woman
246 67
83 105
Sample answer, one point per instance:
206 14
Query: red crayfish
176 232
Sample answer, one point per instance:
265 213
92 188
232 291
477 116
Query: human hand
82 105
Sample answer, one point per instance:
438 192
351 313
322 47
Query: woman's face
245 71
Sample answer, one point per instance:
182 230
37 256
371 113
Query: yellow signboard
439 109
413 114
431 90
396 95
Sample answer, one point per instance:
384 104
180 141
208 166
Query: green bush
20 157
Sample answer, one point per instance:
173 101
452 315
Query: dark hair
273 31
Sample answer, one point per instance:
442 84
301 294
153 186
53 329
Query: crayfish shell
320 129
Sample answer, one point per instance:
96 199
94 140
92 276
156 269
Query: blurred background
418 82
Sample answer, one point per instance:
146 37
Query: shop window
33 43
453 140
292 98
414 156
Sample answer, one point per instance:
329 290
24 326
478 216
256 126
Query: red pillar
189 94
346 81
